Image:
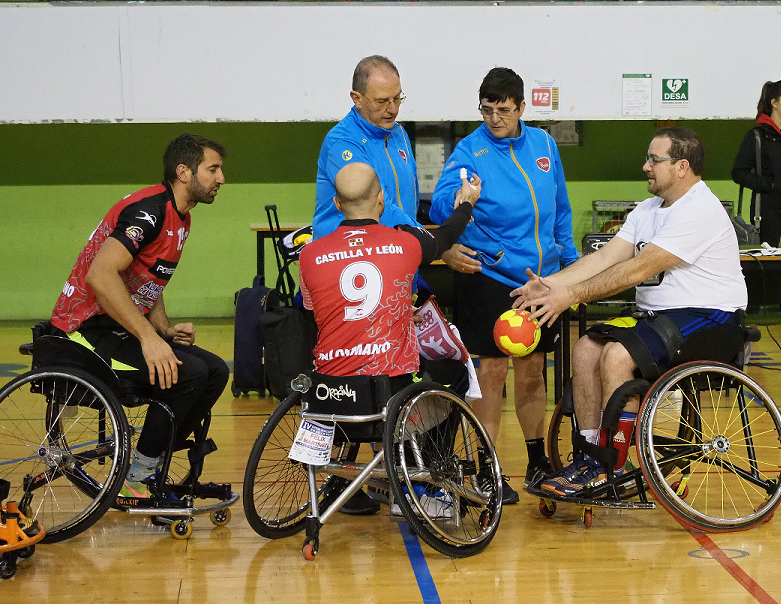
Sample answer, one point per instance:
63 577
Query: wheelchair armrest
752 334
26 349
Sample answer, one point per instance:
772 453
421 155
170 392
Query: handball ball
514 335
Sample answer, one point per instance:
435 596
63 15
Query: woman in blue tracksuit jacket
523 220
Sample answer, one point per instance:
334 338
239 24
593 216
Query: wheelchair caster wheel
485 519
182 529
547 508
588 517
26 552
235 391
7 567
309 550
220 517
676 486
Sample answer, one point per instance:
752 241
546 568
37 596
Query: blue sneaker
565 475
591 474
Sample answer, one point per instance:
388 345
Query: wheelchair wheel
443 470
709 445
276 488
63 447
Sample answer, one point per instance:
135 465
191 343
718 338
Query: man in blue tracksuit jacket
523 220
370 134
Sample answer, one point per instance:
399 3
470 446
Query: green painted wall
58 180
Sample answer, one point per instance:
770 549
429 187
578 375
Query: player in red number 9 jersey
358 279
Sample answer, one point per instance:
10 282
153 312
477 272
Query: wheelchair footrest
588 501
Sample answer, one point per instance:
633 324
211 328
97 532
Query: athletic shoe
436 505
134 490
565 475
485 481
538 471
509 494
592 475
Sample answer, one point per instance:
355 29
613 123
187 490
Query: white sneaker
436 505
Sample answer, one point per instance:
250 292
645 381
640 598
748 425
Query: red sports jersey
358 281
152 230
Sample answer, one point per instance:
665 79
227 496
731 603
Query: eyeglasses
652 161
385 103
502 112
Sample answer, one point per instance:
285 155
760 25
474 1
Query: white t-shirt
697 229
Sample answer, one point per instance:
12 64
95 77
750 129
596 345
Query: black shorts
479 302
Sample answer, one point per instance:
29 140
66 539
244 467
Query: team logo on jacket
347 155
355 242
403 155
543 164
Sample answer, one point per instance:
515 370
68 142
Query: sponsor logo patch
355 242
543 164
135 234
347 155
163 269
403 155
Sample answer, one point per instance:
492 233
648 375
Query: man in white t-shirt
679 248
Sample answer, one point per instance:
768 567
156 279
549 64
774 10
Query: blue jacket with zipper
389 152
523 218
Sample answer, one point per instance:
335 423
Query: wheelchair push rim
434 438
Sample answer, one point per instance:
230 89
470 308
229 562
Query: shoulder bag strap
757 197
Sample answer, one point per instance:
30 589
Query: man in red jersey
358 282
113 301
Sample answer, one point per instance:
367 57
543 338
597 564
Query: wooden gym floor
625 557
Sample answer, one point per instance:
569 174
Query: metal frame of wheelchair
707 441
65 445
429 437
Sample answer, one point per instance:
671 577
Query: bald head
358 192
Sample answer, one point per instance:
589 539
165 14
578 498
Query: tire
63 446
276 488
431 441
711 432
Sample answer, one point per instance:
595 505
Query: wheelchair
431 442
707 440
65 446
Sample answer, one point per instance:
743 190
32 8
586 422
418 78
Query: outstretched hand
545 299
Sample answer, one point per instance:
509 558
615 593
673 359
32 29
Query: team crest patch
135 234
355 242
543 164
403 155
347 155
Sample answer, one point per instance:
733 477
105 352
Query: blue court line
419 566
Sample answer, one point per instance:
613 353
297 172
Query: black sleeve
744 168
434 242
139 224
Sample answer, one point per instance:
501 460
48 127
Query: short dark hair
685 144
500 84
364 70
187 149
770 92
